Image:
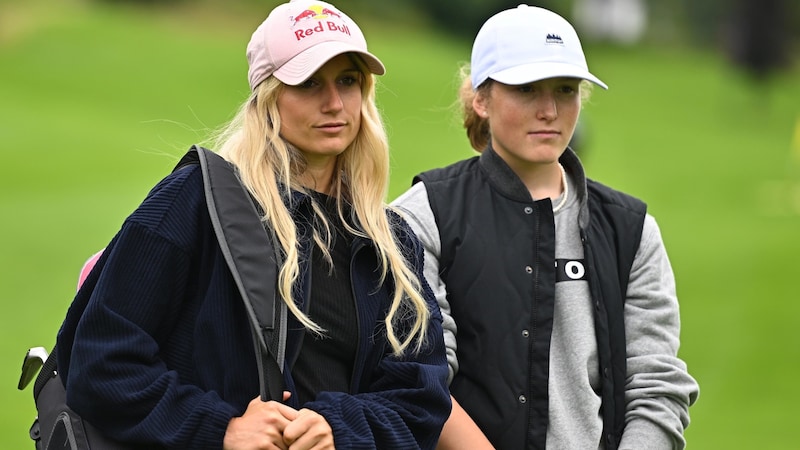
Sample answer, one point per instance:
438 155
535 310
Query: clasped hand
274 425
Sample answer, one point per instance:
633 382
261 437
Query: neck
323 187
544 181
318 177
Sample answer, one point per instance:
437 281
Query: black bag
252 260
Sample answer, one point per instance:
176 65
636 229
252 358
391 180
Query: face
531 124
322 115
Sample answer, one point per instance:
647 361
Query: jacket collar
508 183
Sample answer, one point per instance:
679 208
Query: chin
325 151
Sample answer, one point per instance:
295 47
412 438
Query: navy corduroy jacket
156 348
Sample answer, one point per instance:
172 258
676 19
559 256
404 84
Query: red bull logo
307 14
326 21
331 12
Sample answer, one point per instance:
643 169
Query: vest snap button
522 399
528 210
529 269
525 333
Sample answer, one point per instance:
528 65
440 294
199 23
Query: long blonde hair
269 167
476 126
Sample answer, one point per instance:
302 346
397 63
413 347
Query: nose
332 99
546 108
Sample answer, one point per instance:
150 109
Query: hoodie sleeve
413 205
659 388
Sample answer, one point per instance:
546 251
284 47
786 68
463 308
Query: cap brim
302 66
528 73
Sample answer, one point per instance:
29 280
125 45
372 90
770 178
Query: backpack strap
253 261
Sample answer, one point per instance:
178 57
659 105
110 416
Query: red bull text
321 27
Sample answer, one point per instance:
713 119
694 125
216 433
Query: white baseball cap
527 44
299 37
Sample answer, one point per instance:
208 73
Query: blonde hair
476 126
270 168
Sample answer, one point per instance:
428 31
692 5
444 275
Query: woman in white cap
156 349
559 304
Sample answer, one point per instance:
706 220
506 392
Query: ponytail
477 127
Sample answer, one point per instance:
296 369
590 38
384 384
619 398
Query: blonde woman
156 350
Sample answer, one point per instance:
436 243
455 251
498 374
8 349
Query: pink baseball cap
299 37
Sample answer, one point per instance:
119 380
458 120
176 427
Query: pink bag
87 267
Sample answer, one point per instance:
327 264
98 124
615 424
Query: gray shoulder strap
248 249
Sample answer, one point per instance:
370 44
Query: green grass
97 104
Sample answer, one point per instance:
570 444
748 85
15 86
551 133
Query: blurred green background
98 100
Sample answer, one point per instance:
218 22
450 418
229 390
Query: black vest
494 237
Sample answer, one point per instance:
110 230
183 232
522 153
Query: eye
350 79
525 88
308 84
569 86
568 89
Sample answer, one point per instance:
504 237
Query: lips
546 134
332 127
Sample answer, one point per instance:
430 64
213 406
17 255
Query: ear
480 104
